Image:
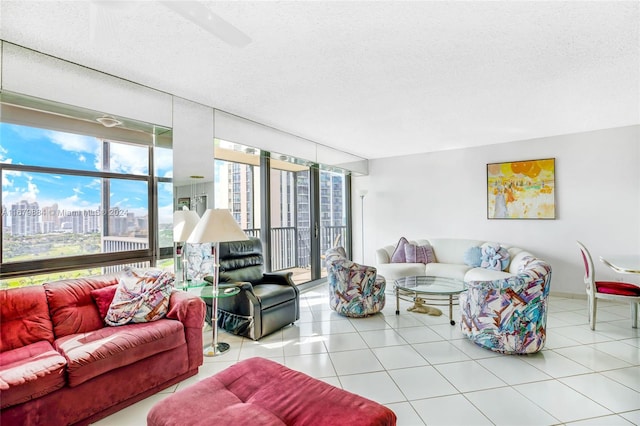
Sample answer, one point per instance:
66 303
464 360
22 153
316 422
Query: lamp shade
184 222
216 226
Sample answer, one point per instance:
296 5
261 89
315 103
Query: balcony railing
291 247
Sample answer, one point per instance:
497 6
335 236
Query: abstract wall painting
521 190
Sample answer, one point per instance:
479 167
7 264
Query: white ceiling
375 79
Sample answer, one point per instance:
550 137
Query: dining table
623 263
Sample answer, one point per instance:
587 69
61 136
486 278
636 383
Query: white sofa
504 311
449 254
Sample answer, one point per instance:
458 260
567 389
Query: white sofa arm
383 256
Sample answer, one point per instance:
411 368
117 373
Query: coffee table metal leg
397 302
451 321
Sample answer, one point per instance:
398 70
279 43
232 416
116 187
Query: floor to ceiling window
291 238
77 195
333 211
237 184
307 206
163 162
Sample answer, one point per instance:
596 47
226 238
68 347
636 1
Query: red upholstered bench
258 391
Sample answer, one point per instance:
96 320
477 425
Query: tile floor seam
590 398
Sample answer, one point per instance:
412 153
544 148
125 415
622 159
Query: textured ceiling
376 79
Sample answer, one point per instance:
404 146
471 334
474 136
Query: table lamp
216 226
184 222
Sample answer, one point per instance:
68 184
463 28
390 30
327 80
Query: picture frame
521 189
183 202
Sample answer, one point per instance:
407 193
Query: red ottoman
258 391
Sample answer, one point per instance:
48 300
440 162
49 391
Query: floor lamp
362 193
184 222
216 226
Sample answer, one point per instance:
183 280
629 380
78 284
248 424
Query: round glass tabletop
205 290
430 285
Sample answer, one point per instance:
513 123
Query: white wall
444 194
192 142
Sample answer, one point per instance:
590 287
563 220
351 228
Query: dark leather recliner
266 302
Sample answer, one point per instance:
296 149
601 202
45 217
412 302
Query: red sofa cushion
260 391
24 317
71 306
103 298
29 372
93 353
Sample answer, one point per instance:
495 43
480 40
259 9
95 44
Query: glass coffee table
435 291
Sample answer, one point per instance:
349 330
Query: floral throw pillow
141 296
495 257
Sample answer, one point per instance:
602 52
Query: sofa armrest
382 256
187 308
284 278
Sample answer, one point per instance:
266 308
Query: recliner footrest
233 323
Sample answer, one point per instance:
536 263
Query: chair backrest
333 253
241 261
588 265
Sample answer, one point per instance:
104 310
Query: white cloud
28 193
121 202
130 159
94 184
164 160
75 143
165 213
78 145
3 159
9 175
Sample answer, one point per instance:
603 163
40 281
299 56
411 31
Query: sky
48 148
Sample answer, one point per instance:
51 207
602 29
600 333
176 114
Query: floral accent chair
508 315
354 290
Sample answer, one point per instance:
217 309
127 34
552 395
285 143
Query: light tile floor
429 374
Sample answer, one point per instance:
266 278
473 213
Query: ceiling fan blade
201 15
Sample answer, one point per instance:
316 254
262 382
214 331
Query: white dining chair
608 290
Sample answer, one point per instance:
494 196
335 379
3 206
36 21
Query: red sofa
61 365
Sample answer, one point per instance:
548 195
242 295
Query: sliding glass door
290 212
298 209
333 208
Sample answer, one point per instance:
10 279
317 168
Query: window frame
47 119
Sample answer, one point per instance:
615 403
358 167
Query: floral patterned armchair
354 290
508 315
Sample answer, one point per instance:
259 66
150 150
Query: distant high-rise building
25 218
50 219
92 222
5 219
240 182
